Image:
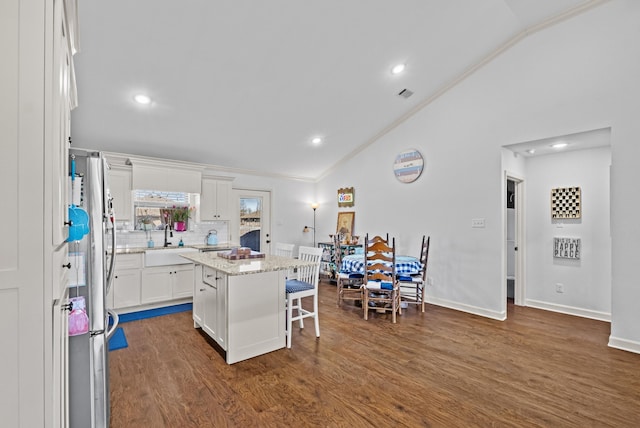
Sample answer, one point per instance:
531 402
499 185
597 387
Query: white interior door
251 223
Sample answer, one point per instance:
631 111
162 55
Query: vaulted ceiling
247 84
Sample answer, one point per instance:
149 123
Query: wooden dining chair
377 238
348 284
380 290
412 286
305 285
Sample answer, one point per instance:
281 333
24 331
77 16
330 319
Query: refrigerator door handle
112 265
116 321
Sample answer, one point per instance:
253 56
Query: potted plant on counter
181 216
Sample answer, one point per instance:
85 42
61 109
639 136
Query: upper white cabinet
120 183
165 176
61 104
215 199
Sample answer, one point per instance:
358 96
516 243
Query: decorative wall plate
408 166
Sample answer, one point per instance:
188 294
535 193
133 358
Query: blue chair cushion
405 278
295 286
356 275
379 285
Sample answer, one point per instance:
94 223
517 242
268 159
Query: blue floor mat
118 340
150 313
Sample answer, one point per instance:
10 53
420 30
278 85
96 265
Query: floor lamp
306 228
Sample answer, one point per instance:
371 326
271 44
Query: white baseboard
500 316
569 310
624 344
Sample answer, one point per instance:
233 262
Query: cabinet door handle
202 289
68 265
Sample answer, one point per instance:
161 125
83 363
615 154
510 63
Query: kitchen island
241 303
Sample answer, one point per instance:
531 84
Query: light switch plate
477 222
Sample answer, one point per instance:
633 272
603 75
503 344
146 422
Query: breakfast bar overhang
241 303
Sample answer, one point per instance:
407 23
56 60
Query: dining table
405 265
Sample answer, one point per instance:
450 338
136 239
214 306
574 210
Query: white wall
290 206
577 75
587 282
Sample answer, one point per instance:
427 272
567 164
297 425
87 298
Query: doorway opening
514 245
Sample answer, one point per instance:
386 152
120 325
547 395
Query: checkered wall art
566 203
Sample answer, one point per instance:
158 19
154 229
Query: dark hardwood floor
443 368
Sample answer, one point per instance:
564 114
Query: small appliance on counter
212 237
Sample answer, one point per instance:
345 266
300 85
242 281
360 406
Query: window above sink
153 209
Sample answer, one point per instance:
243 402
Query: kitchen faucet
167 227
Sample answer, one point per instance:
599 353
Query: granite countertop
247 266
218 247
200 247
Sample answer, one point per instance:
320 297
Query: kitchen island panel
256 315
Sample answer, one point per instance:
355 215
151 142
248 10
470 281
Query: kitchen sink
167 256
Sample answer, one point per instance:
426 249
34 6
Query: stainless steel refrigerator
94 255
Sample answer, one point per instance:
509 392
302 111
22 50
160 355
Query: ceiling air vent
405 93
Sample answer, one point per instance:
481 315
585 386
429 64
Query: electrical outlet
477 222
559 288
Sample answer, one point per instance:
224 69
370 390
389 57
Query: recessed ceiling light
531 151
142 99
316 140
559 145
397 69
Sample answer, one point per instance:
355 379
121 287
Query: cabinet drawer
209 276
128 261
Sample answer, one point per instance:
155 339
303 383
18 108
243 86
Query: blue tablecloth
405 265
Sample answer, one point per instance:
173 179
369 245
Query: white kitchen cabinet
199 289
127 281
62 265
214 305
215 199
156 284
120 186
126 288
61 131
162 283
165 176
182 281
37 95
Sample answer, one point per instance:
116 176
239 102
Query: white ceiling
578 141
246 84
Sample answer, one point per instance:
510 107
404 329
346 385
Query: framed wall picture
566 203
345 222
346 197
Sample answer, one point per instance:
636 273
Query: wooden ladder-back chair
306 285
377 238
348 285
412 286
381 291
